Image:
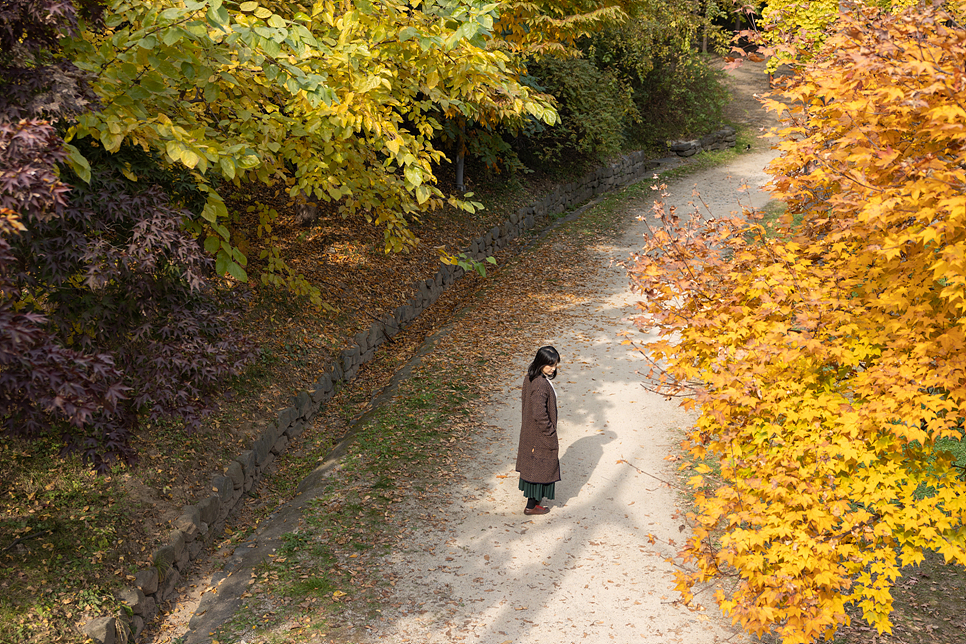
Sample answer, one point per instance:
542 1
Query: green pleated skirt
537 490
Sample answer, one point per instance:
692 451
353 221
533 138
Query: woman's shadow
578 463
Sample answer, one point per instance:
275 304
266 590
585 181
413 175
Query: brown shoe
537 509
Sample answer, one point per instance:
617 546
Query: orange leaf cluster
828 360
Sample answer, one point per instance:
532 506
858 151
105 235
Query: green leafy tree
653 52
340 100
596 109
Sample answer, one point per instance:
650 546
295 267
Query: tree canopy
107 312
337 99
826 359
793 29
124 124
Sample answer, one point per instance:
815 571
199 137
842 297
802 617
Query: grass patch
399 452
707 160
772 214
59 542
952 450
955 448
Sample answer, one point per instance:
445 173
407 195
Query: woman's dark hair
545 356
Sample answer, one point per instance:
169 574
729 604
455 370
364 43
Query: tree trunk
460 157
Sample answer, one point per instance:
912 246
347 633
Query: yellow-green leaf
78 163
189 158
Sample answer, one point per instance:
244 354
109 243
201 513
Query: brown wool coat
537 460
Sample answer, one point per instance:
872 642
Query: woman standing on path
537 460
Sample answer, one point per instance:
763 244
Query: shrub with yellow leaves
827 360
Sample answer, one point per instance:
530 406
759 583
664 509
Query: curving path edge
599 567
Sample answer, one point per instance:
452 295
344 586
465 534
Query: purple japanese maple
108 312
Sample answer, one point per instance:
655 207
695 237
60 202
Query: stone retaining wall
200 523
717 140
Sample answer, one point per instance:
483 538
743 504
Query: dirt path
596 568
748 82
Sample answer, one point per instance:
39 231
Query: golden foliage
337 99
827 361
794 29
540 27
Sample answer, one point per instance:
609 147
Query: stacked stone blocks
717 140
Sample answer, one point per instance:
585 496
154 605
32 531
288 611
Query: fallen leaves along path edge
599 567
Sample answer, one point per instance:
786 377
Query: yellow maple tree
826 357
792 29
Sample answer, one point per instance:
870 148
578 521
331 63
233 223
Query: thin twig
640 471
25 538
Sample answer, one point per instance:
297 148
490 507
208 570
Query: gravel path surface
596 568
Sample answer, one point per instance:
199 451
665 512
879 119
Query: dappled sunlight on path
599 567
